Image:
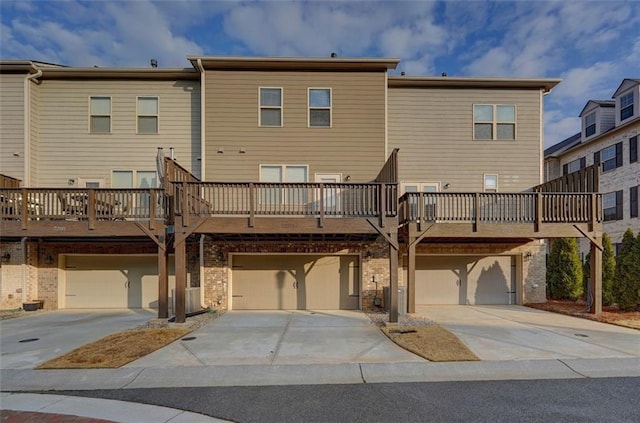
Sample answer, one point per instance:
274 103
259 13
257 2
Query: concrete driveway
281 337
520 333
50 334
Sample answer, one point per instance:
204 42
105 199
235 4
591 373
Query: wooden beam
393 277
157 239
595 279
420 236
181 281
163 282
390 239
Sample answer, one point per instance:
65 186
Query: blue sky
592 45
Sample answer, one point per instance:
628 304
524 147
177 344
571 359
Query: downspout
23 245
27 125
202 304
202 123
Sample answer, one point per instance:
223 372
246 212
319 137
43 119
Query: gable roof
563 145
599 103
625 85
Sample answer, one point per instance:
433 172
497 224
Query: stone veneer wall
375 261
534 283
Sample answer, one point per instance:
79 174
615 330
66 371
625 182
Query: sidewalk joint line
362 373
276 350
573 370
133 380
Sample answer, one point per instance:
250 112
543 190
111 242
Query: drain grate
29 340
188 338
581 335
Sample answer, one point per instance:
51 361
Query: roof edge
547 84
294 63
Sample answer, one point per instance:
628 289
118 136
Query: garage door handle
295 285
458 282
127 284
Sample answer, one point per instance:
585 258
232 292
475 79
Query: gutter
202 123
27 125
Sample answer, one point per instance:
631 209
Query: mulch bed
610 314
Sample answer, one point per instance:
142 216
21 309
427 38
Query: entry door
429 203
330 196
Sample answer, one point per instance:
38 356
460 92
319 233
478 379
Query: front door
330 196
429 203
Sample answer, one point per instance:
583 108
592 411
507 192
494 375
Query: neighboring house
608 139
298 183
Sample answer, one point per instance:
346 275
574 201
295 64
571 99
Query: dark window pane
506 131
484 131
320 117
590 130
626 113
147 124
100 124
270 117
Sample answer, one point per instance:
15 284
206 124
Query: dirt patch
116 350
610 314
432 342
17 312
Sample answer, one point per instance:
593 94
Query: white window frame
281 107
310 107
284 197
134 175
603 161
587 126
138 114
622 107
484 182
606 198
90 114
82 182
495 122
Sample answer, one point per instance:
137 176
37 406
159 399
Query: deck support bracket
386 236
159 240
421 236
591 239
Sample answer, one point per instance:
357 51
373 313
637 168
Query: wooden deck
53 212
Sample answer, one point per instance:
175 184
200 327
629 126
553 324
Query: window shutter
583 162
619 154
565 169
596 157
619 205
633 200
633 149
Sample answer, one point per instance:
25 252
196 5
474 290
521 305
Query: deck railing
81 204
500 208
208 199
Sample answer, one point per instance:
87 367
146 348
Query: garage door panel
290 282
112 281
465 280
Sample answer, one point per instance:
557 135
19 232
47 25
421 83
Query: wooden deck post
411 275
163 283
393 277
595 279
91 208
252 205
181 280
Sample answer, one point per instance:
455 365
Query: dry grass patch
432 342
610 314
116 350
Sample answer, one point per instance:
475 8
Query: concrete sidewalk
16 380
58 408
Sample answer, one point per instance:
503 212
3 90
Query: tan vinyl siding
354 145
34 132
68 151
12 125
433 128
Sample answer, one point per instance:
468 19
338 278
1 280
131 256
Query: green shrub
627 282
564 270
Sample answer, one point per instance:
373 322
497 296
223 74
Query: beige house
293 183
609 140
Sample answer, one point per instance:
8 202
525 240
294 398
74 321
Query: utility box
402 299
192 299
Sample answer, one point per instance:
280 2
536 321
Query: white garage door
465 280
295 282
113 281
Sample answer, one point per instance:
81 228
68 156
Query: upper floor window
590 124
494 122
626 106
320 107
100 115
490 182
612 206
633 149
270 107
574 166
147 115
610 157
